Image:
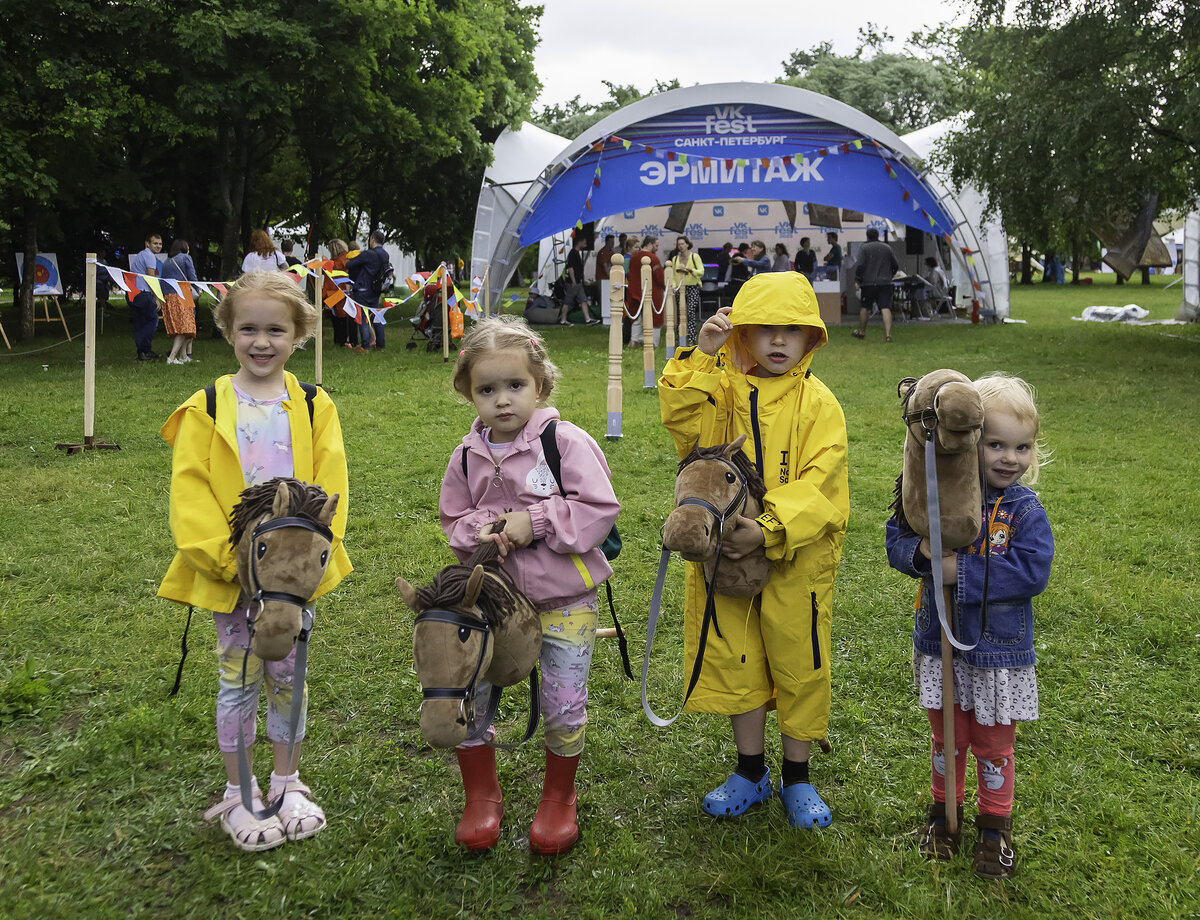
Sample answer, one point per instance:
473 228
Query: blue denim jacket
1022 548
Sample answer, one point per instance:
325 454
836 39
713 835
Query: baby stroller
427 321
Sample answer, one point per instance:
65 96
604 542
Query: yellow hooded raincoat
207 479
773 649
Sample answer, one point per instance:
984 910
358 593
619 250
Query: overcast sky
703 41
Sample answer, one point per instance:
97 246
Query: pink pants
993 749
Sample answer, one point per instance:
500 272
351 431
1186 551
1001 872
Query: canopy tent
718 142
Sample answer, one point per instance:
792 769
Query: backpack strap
554 461
553 457
210 400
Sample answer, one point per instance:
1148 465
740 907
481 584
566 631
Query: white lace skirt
998 696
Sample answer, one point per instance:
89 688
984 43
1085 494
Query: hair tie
462 352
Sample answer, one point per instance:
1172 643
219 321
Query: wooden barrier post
318 276
647 325
89 366
616 308
669 309
445 315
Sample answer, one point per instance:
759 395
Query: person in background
782 263
689 271
263 256
873 277
336 263
286 248
573 284
366 271
833 258
633 294
806 259
143 305
179 315
603 267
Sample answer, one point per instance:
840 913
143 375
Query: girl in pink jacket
549 545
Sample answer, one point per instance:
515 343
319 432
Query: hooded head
774 299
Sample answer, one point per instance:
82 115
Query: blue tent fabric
735 151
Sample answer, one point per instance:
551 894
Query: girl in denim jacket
995 685
549 544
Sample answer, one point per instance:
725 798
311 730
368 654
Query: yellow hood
774 299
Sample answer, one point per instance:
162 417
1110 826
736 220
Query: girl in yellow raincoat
750 375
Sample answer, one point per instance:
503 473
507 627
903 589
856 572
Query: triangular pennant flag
729 164
671 155
174 286
683 158
906 195
117 276
220 286
765 162
787 160
154 286
649 149
845 148
626 144
706 162
131 283
858 145
596 182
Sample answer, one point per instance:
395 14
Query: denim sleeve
902 550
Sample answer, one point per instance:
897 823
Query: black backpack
385 280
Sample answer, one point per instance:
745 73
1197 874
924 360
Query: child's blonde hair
279 286
504 333
1012 394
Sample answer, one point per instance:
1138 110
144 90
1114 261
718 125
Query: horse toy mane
943 407
498 597
715 485
280 565
754 481
305 500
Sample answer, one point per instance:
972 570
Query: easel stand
46 317
89 368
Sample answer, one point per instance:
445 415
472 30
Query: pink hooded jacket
563 564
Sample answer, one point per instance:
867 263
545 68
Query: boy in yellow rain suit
749 374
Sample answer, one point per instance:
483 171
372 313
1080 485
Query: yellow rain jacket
207 480
773 649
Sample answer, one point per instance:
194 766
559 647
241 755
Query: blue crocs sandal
735 796
804 806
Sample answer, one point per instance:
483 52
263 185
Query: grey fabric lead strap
935 540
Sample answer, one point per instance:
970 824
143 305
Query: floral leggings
239 705
568 639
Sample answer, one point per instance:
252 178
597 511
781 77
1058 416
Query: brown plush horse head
280 531
713 487
472 622
943 406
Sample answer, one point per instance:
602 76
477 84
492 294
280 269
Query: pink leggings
993 749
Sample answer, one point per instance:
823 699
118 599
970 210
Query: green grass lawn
103 779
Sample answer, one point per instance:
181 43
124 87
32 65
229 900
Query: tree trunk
1145 275
32 211
1026 268
316 188
1075 256
231 191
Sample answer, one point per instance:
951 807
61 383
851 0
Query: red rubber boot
554 829
479 828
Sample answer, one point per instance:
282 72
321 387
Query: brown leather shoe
936 841
994 855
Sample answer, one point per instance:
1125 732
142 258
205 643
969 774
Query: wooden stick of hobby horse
949 755
681 309
616 316
445 314
647 325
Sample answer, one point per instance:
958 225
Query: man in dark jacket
873 277
366 270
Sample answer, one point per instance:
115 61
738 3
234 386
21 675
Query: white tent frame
500 213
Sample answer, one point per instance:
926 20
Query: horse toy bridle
710 607
260 595
465 694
